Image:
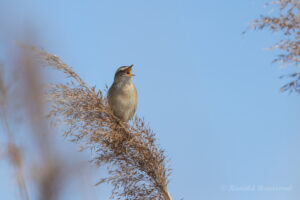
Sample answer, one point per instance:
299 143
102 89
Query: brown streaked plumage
122 95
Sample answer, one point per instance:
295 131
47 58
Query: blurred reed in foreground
40 169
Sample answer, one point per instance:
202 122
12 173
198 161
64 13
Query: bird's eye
128 72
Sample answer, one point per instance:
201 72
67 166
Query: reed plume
137 166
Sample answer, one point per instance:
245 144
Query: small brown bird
122 95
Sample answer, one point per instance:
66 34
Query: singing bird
122 95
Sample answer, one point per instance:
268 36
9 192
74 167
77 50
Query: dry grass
286 21
136 165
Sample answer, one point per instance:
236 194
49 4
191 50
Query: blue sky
211 96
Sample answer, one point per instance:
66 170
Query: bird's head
124 73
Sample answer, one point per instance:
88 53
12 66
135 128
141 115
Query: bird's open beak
128 71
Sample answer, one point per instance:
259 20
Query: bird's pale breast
123 100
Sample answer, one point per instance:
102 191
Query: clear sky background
212 97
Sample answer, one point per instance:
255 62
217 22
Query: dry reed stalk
136 165
13 151
47 171
285 20
21 104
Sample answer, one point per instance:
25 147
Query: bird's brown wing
134 104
